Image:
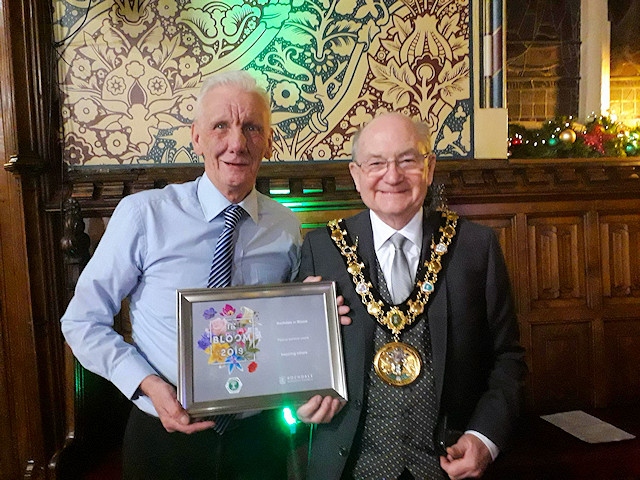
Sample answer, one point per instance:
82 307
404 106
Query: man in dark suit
434 368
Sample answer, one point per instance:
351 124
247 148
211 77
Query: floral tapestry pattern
129 72
231 337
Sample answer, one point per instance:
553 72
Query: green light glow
288 416
311 226
279 191
300 204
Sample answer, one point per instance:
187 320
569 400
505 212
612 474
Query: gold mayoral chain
396 363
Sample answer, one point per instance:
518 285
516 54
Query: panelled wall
575 267
570 232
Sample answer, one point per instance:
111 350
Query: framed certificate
258 347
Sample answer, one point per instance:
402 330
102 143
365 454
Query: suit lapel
359 228
363 327
437 307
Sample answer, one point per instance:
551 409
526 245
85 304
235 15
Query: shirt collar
213 202
382 232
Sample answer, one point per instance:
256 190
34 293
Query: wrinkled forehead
391 137
229 102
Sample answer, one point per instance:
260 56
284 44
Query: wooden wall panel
561 366
620 247
556 255
619 262
30 341
557 260
622 344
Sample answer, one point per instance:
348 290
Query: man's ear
355 174
195 139
269 151
431 167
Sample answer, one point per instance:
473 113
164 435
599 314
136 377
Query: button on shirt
156 242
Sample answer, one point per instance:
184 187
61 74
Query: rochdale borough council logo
234 385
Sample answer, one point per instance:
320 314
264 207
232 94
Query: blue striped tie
220 276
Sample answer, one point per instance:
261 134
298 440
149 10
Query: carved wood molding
29 96
473 181
31 388
75 242
25 165
536 180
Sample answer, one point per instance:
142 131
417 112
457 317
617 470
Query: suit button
343 451
359 404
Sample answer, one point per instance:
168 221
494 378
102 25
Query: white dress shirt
382 232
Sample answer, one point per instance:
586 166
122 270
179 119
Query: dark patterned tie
220 276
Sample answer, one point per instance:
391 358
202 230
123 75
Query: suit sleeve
307 263
498 408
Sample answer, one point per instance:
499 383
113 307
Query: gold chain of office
396 363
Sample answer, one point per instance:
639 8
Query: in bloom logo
231 337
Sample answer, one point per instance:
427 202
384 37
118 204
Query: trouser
253 448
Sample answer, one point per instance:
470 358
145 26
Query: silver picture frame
258 347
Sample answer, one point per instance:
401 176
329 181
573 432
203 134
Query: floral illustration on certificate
231 338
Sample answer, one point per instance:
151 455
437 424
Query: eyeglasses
407 163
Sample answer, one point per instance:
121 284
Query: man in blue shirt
160 240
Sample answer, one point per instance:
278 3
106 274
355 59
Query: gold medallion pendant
397 363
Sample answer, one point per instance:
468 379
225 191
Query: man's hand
343 309
467 458
319 410
174 418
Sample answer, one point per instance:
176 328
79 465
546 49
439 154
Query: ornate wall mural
129 72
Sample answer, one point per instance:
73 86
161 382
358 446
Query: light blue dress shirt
156 242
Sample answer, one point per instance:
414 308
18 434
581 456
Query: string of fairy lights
565 137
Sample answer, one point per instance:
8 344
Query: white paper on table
587 427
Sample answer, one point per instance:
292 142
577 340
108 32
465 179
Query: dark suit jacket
477 360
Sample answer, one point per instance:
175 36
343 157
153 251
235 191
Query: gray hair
236 78
422 129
